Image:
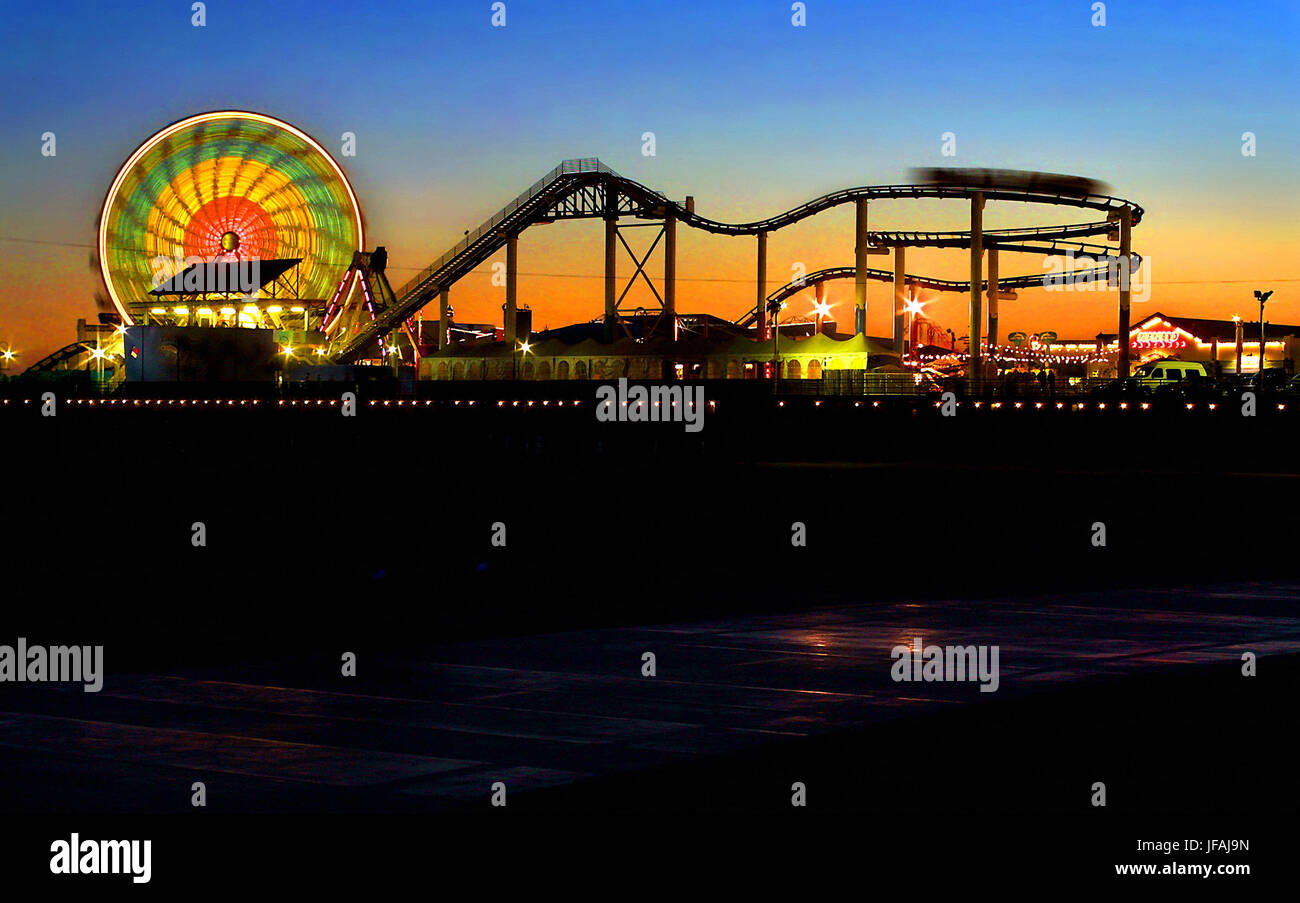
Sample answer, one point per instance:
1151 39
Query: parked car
1131 389
1194 388
1274 379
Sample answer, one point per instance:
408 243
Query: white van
1159 373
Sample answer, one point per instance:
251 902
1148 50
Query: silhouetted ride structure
238 186
588 189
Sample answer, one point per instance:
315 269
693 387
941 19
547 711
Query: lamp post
913 308
774 309
1261 297
97 355
820 311
287 351
524 348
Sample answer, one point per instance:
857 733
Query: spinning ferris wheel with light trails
224 187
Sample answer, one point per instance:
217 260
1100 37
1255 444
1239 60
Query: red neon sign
1158 338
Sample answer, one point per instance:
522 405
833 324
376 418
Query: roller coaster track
1100 273
586 188
1032 280
64 355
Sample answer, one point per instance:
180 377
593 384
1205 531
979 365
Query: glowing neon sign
1158 338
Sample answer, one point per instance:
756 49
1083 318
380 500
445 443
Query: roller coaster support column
993 298
670 273
512 287
1125 254
611 264
860 266
900 299
444 318
974 368
761 280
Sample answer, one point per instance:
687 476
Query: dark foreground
478 663
1141 690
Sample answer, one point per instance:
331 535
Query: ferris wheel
226 186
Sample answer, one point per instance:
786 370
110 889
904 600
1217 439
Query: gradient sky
752 116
